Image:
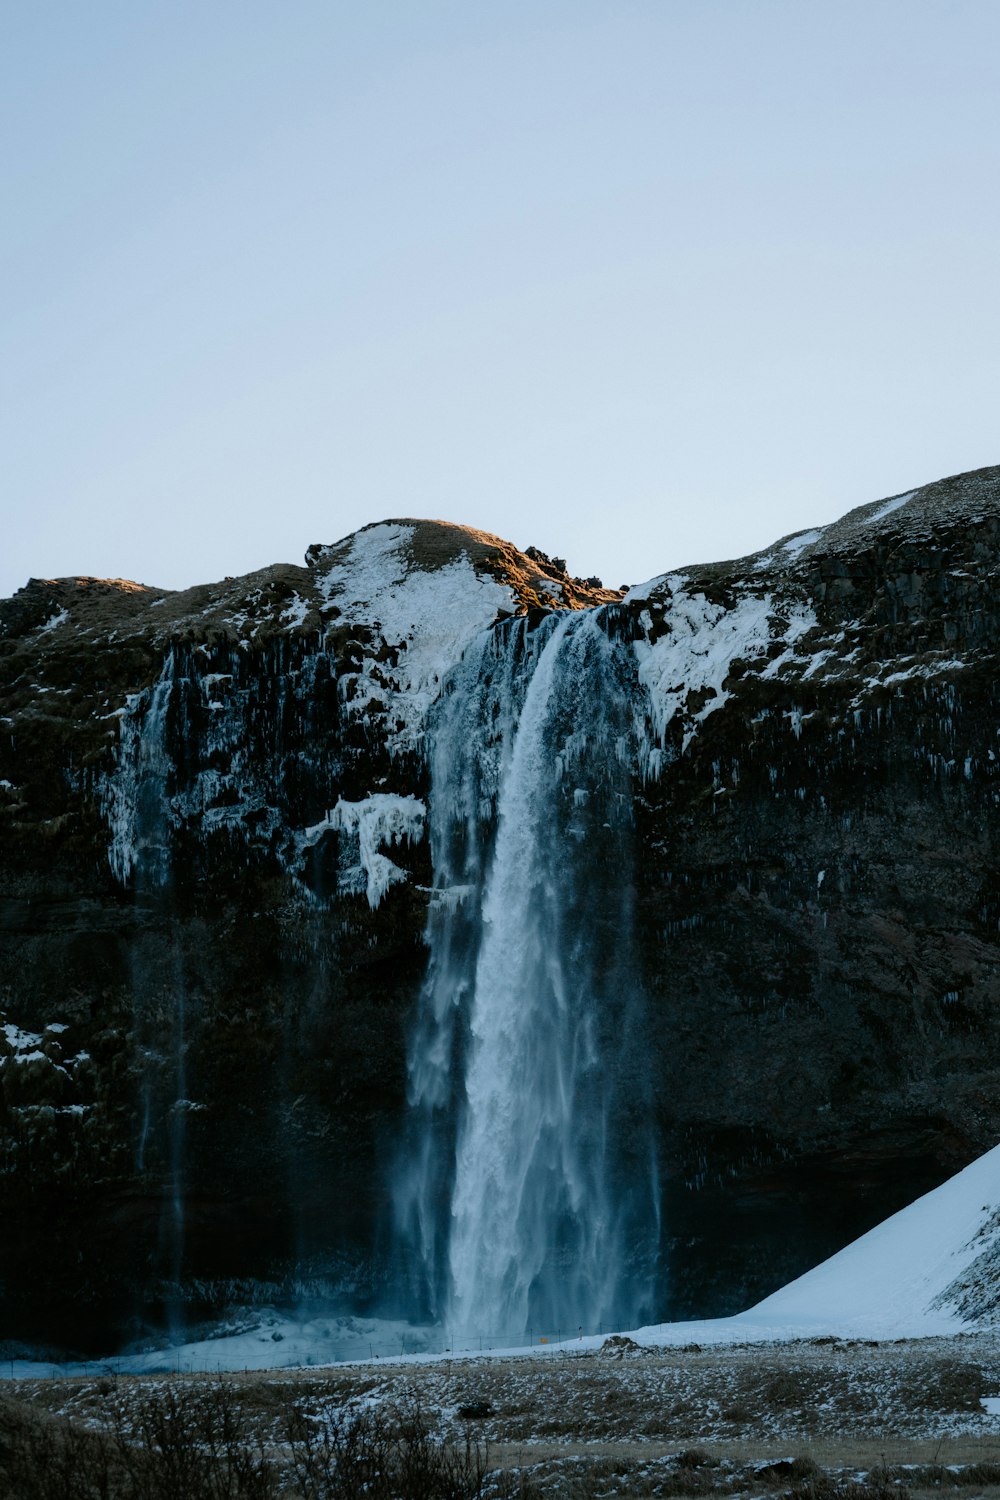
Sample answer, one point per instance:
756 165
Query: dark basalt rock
205 991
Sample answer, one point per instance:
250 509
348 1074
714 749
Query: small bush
696 1458
48 1458
785 1469
381 1455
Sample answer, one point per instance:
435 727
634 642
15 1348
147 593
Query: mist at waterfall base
525 1196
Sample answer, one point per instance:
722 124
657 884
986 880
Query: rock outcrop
215 878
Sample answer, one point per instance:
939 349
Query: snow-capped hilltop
383 560
913 517
397 601
791 611
388 552
411 595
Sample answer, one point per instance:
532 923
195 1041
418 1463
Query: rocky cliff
246 924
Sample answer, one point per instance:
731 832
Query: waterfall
527 1191
135 797
137 801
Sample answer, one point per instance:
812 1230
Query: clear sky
642 282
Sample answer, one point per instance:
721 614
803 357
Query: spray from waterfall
526 1196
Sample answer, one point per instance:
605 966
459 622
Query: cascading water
228 756
136 796
138 807
470 742
528 1190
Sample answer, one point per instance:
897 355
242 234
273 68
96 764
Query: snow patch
889 506
21 1041
804 539
54 621
293 616
640 592
922 669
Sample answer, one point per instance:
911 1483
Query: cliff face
227 893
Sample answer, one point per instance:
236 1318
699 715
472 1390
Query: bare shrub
697 1458
385 1455
146 1444
49 1458
191 1440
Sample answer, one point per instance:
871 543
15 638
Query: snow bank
905 1277
929 1269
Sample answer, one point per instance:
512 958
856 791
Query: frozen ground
817 1418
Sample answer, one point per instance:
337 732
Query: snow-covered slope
930 1269
420 618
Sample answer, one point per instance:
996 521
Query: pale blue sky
641 282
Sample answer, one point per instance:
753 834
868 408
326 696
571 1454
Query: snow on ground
929 1270
790 550
918 1273
20 1041
640 592
54 621
888 506
293 616
262 1340
847 532
427 616
804 539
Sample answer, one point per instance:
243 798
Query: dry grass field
809 1419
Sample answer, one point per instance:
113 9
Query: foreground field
823 1418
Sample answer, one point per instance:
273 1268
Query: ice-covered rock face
354 653
277 851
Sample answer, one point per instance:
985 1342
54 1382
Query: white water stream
526 1201
138 806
